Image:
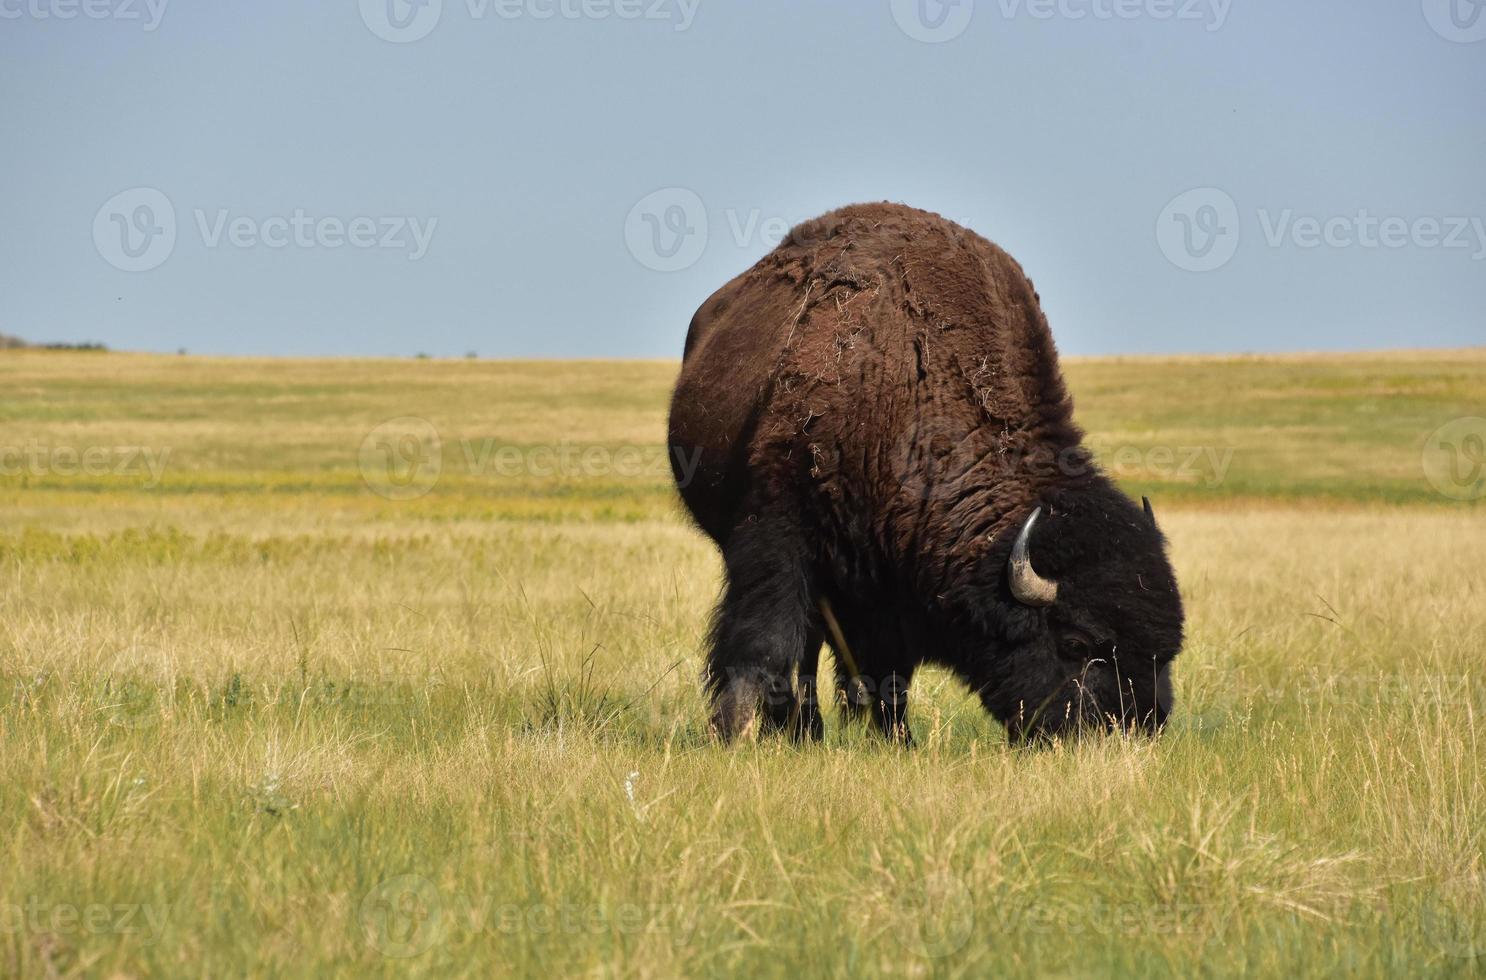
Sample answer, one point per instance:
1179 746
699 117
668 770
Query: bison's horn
1029 588
1150 513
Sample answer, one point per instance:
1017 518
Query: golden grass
311 731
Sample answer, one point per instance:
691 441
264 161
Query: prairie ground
390 667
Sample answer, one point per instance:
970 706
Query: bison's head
1095 619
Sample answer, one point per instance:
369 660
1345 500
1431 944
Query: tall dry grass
299 729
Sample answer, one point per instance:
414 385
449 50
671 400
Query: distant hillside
7 342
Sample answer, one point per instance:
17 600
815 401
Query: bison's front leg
761 632
873 673
890 708
884 695
796 711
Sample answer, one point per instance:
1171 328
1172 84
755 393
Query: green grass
258 718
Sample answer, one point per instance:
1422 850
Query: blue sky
572 178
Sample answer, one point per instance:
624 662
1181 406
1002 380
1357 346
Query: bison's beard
1098 701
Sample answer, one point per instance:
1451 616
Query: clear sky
573 177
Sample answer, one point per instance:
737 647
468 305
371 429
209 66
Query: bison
884 452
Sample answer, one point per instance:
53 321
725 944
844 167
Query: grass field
293 683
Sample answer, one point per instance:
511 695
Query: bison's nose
1149 723
1152 716
1144 720
1044 731
1021 732
1048 727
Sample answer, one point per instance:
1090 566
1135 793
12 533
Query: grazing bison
886 457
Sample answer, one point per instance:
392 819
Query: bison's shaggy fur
875 409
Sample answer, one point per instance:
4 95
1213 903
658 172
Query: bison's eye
1076 647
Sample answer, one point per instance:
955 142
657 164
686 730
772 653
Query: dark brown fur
877 406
